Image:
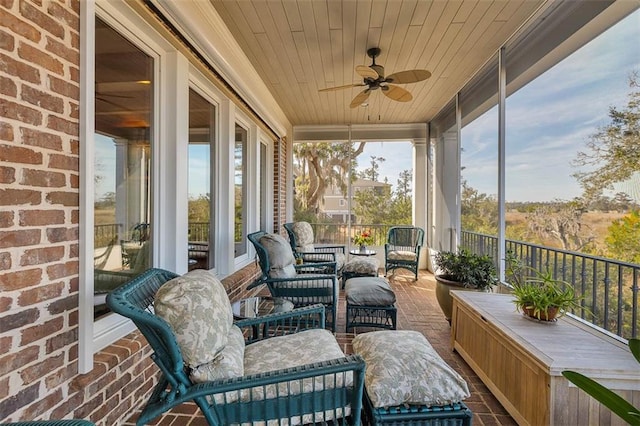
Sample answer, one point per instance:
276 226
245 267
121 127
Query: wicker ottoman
408 383
370 303
360 267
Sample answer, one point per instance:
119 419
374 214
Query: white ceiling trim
368 132
199 22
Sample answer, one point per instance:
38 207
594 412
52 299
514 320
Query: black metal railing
608 288
339 233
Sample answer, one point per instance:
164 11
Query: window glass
122 183
240 190
202 115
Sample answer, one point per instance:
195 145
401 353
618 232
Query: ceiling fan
374 79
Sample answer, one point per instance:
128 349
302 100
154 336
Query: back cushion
281 258
197 308
304 236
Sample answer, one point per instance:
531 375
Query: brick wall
39 216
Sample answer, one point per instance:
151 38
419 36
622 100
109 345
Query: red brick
8 87
70 199
62 14
19 238
104 409
6 132
62 270
41 217
35 55
40 294
41 19
58 235
7 41
43 405
4 388
19 26
81 381
36 371
20 155
16 360
43 178
63 87
86 409
24 397
66 126
67 304
63 51
19 319
17 197
34 137
64 162
74 144
19 69
42 255
75 219
68 405
20 112
11 281
5 304
61 340
74 181
74 110
102 383
6 219
42 99
61 375
7 174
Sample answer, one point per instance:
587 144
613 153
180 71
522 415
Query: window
122 180
202 126
240 190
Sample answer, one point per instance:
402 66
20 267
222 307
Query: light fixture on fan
374 78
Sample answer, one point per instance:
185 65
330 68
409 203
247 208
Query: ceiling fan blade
360 98
366 72
397 93
409 76
346 86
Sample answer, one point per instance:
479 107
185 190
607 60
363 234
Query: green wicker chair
317 389
303 245
300 284
402 249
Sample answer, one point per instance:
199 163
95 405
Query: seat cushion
402 255
281 259
197 309
403 368
229 364
362 266
371 291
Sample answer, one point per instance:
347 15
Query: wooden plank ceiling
301 46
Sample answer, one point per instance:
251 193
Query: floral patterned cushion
403 368
281 260
197 308
293 350
401 255
371 291
229 364
304 236
362 266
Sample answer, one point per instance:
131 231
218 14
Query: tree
479 212
372 173
317 166
623 240
561 221
613 150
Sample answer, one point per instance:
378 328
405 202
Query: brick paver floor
417 310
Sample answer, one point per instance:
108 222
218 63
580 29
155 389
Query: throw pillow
403 368
281 259
197 309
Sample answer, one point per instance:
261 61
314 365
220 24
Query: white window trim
96 335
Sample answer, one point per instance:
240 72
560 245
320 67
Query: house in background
337 207
136 97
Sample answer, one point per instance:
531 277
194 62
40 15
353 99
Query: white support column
225 227
502 84
420 193
170 227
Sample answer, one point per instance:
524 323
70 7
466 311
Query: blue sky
550 120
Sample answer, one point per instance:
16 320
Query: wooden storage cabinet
521 362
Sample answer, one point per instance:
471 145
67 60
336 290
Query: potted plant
463 270
363 239
538 294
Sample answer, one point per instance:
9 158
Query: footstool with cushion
370 303
360 267
408 383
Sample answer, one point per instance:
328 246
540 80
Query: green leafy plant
363 239
538 293
470 269
607 397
